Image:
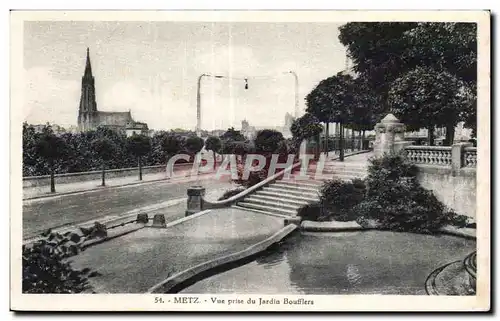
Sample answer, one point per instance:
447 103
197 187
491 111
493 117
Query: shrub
338 198
311 212
231 193
254 177
397 202
45 265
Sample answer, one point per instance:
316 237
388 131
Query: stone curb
110 237
187 218
468 233
101 188
333 226
169 283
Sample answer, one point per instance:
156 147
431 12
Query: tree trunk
215 160
326 137
52 182
363 140
430 135
450 134
341 143
352 140
316 149
140 168
103 175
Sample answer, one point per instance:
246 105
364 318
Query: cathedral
89 118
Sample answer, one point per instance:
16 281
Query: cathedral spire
88 67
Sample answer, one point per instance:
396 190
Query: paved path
358 158
135 262
152 198
44 191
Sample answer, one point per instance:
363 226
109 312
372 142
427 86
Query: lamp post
198 98
198 95
296 93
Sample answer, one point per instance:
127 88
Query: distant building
89 118
250 131
137 128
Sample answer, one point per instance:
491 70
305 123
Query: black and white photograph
237 161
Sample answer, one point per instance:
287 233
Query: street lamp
296 93
198 98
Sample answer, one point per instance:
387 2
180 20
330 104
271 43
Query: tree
268 141
139 145
384 52
366 110
425 98
52 149
233 135
306 127
171 144
331 100
105 150
194 144
213 144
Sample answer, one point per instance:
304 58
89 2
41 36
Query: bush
397 202
254 177
231 193
45 265
311 212
338 198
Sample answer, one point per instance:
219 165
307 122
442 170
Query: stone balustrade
430 155
469 157
448 171
456 157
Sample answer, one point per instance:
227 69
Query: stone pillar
195 199
387 132
456 155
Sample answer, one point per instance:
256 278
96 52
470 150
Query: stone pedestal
387 132
159 221
195 200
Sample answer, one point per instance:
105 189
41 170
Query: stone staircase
284 197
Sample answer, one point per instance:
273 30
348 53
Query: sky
151 69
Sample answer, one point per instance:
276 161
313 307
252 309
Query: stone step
284 190
269 209
277 200
288 196
348 176
353 173
262 212
303 183
296 187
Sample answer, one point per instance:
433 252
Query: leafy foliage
339 197
383 52
171 143
80 155
425 98
104 148
213 144
139 145
397 202
46 268
311 212
305 127
268 141
194 144
331 99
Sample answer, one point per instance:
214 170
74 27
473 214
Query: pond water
369 262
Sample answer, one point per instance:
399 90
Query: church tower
88 106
